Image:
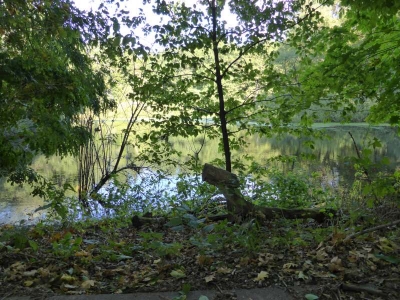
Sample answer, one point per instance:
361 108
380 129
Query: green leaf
311 297
122 257
391 259
33 245
178 273
174 222
186 288
209 228
179 228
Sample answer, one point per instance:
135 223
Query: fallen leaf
224 270
209 278
157 261
147 279
17 267
67 278
354 256
30 273
265 259
28 283
338 237
301 275
289 265
82 253
178 273
320 245
321 254
123 257
371 265
70 286
261 276
336 265
311 297
43 272
244 261
387 245
87 284
204 260
308 265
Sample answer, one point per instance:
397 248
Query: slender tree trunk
218 81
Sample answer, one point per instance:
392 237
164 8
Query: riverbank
110 256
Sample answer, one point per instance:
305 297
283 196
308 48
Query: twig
370 230
219 289
7 295
359 288
365 171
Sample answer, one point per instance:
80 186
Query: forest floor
110 256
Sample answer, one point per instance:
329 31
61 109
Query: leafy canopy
356 61
46 78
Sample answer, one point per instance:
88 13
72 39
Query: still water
329 154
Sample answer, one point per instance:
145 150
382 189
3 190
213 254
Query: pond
17 204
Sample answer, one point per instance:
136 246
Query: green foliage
45 82
373 184
286 190
152 241
348 65
67 246
215 80
291 190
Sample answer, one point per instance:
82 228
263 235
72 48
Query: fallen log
238 207
138 221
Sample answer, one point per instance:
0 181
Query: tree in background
357 60
46 79
354 63
211 76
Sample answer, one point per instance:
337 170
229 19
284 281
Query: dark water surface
16 203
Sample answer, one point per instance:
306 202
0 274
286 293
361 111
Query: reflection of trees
329 156
331 151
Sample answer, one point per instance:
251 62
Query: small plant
248 236
153 241
183 294
67 245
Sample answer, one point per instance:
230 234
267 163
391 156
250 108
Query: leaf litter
110 257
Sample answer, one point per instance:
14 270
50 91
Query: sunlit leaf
30 273
67 278
209 278
87 284
28 283
178 273
261 276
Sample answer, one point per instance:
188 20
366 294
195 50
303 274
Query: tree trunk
238 207
220 90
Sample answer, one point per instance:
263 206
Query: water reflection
329 158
